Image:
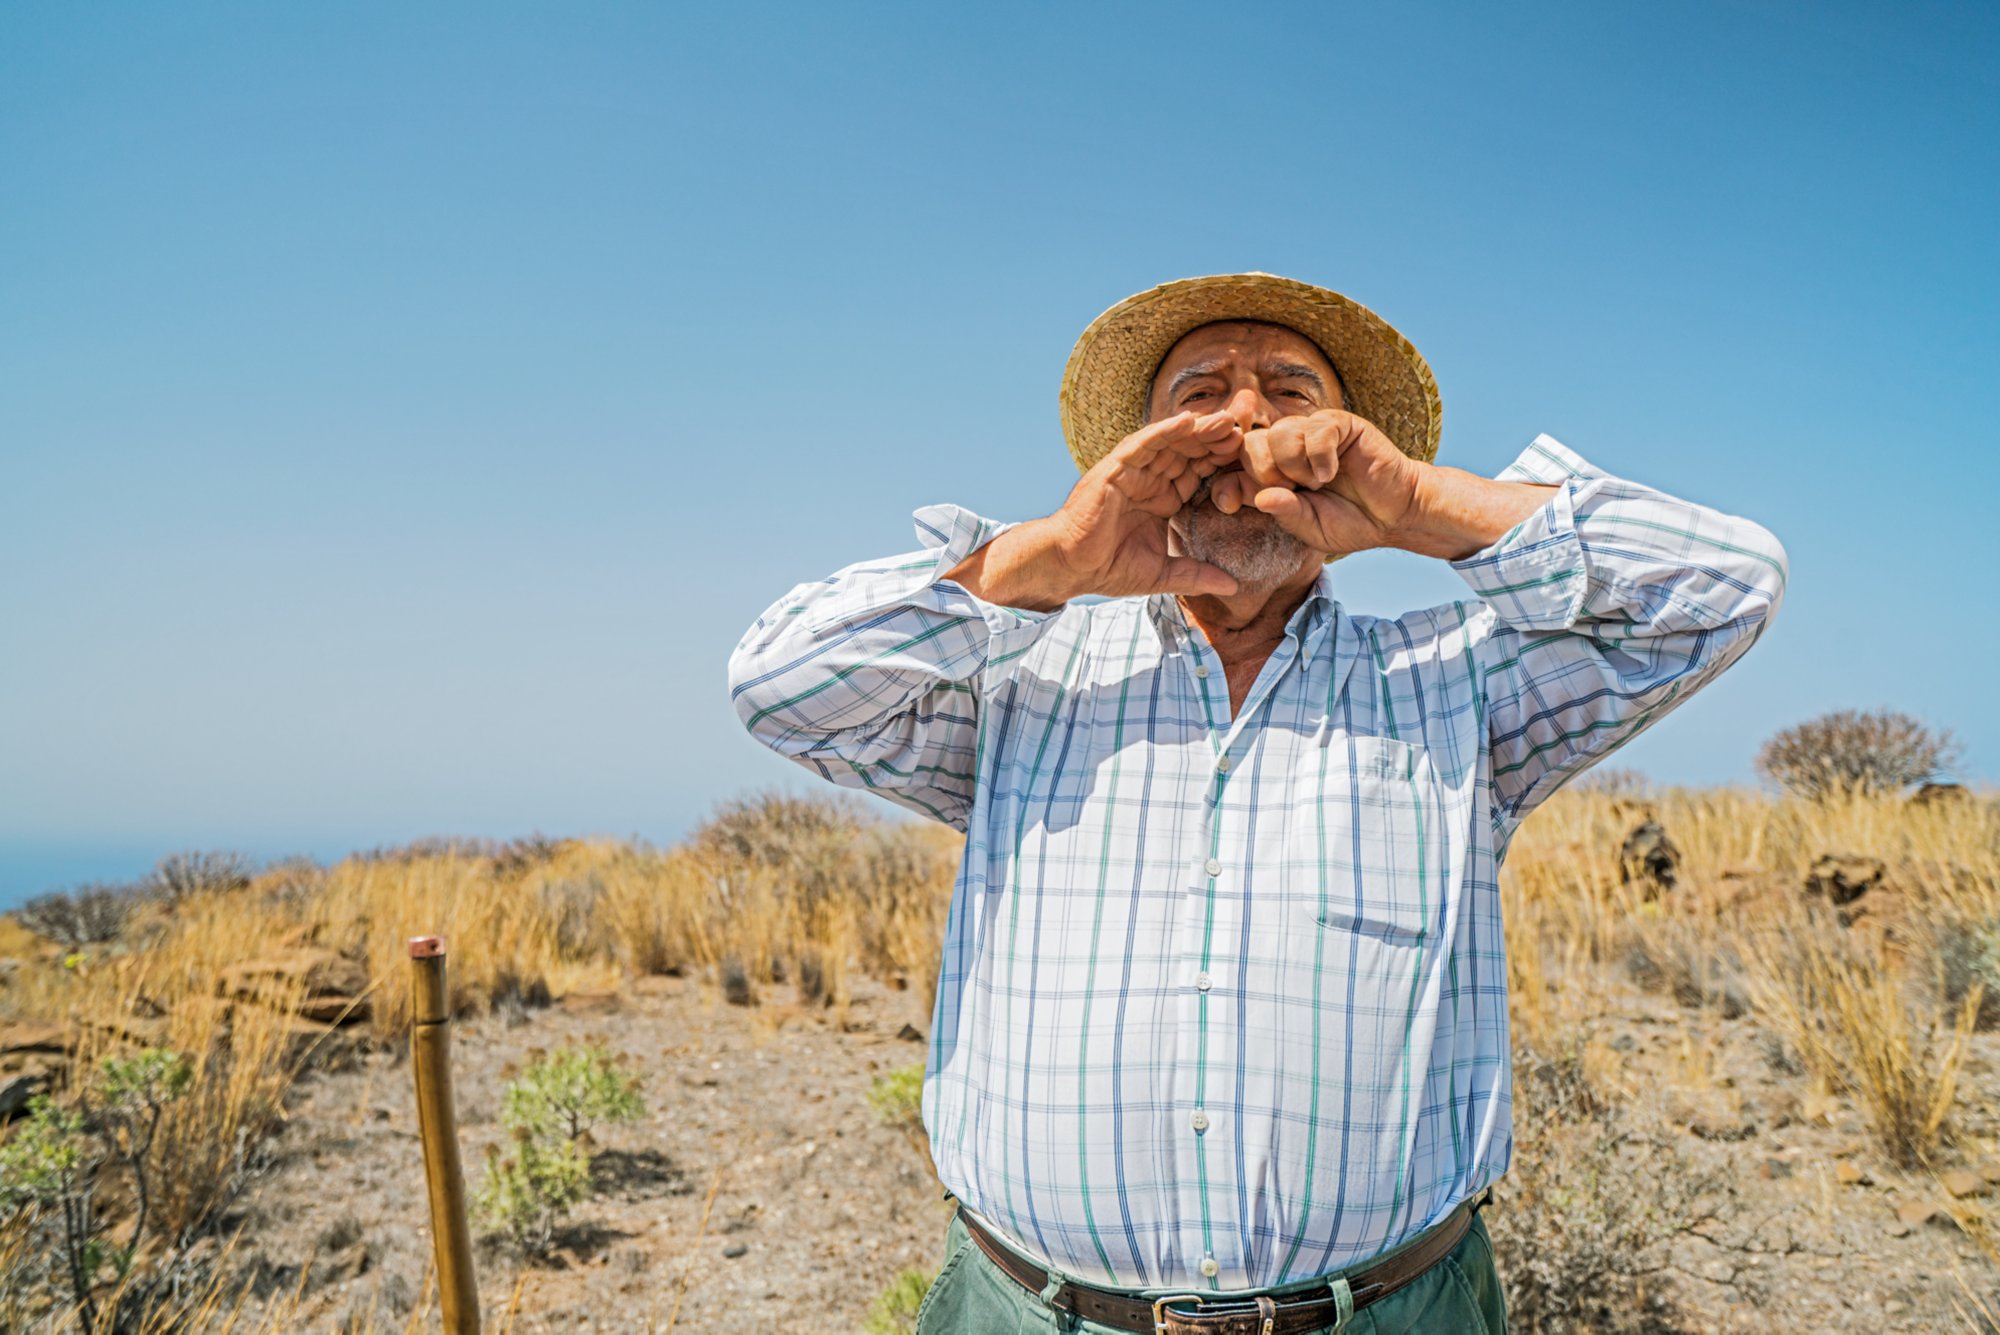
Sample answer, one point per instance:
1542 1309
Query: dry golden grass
780 894
1860 1002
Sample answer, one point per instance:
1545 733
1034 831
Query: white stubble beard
1249 544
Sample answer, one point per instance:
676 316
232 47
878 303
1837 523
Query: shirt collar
1317 610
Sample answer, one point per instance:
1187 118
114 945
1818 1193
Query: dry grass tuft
1834 996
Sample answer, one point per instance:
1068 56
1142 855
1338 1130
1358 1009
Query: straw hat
1104 386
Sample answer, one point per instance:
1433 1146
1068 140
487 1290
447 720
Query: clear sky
404 408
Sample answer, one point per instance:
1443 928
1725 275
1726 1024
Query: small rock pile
32 1057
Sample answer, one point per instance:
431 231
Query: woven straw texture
1105 384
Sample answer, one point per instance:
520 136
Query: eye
1295 393
1193 394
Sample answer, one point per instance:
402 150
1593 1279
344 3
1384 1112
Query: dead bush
1968 959
181 876
1590 1208
1850 753
81 917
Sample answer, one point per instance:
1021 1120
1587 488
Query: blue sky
404 409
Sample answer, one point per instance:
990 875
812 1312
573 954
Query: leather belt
1226 1314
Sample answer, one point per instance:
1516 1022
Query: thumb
1294 514
1184 574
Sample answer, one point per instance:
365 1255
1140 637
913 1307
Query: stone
1842 878
1916 1212
1991 1172
1724 1129
1649 857
17 1090
314 972
137 1030
332 1009
1851 1174
909 1033
1962 1182
735 1249
1773 1169
591 1003
33 1038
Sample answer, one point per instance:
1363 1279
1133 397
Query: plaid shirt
1223 1000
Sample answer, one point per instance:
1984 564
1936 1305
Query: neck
1252 619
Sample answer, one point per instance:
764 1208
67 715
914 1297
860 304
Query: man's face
1258 373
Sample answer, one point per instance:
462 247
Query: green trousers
1460 1295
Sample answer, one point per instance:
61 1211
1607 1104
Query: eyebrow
1276 370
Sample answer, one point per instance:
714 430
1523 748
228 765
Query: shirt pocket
1374 815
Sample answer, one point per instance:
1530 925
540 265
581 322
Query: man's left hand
1336 483
1331 479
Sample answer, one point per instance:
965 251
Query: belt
1224 1314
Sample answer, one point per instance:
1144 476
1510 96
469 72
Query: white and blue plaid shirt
1224 1001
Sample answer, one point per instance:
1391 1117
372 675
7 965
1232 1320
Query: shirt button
1201 980
1222 763
1212 867
1201 670
1209 1268
1200 1120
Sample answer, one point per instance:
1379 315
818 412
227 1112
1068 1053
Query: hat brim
1110 371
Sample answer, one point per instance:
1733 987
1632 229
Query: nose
1250 409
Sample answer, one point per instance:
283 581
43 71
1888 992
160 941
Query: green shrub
571 1090
898 1095
895 1308
549 1110
49 1170
528 1191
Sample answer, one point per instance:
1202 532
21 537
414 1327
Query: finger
1154 435
1184 574
1257 460
1231 492
1223 453
1323 442
1293 513
1182 434
1329 433
1289 454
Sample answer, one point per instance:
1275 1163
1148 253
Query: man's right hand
1110 536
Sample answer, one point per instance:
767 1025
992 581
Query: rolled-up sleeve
1604 610
870 677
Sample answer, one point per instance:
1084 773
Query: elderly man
1220 1041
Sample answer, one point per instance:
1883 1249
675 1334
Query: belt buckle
1160 1316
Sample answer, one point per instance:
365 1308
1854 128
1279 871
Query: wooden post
430 1062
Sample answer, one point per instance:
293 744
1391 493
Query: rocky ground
760 1192
763 1192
